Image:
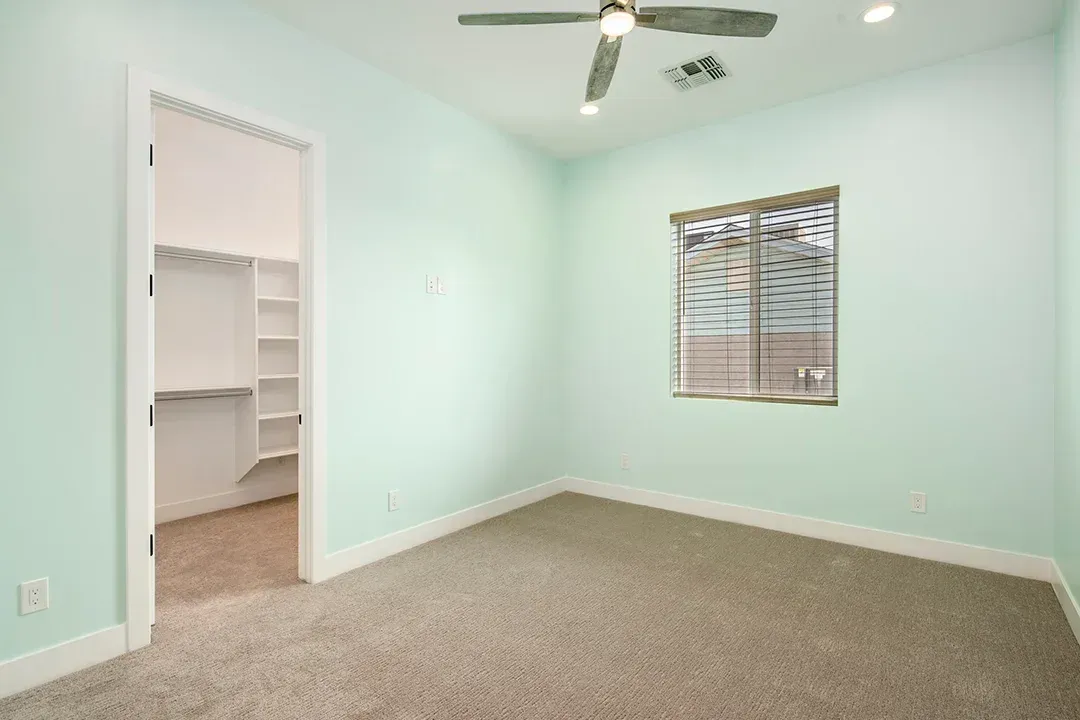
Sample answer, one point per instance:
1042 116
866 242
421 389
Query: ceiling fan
618 17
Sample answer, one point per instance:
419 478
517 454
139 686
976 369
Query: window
754 299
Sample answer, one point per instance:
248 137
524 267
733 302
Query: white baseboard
1067 600
1001 561
224 501
23 673
369 552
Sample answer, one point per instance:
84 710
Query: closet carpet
577 608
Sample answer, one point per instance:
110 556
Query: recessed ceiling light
589 110
879 12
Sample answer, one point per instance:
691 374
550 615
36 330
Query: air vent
695 72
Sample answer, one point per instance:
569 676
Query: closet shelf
279 415
272 299
279 337
276 452
284 376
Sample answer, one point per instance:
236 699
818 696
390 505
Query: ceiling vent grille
695 72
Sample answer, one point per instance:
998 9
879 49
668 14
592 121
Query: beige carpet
577 608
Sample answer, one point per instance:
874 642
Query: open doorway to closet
227 370
224 342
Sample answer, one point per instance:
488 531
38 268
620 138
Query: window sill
782 399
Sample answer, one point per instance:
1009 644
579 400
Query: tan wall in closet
219 188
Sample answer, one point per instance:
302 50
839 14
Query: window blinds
754 299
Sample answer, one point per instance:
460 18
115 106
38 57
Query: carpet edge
368 552
1033 567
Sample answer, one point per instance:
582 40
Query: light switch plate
432 284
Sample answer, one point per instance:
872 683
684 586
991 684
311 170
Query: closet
227 325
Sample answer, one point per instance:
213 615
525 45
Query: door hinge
151 284
151 544
151 154
151 416
300 418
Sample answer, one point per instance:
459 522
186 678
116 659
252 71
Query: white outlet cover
918 502
624 461
432 284
392 500
441 289
34 596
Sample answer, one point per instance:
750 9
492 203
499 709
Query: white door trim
146 91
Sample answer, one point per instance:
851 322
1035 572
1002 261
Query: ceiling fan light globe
618 23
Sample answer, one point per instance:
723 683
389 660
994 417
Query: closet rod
200 393
203 258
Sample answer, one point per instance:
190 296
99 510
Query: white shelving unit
280 415
276 452
257 341
277 290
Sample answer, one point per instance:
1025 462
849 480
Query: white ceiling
530 81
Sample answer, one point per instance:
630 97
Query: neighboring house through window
754 299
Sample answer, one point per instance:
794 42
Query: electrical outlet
34 596
432 284
918 502
624 461
392 500
439 287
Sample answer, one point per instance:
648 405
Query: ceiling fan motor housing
611 6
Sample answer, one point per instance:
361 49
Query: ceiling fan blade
603 67
707 21
537 18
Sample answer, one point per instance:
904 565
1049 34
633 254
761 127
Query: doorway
225 325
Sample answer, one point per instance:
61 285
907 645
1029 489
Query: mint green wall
447 399
946 318
1067 485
